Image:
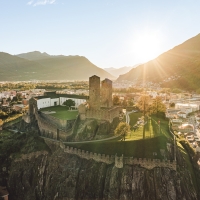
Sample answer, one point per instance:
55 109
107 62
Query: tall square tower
94 92
106 93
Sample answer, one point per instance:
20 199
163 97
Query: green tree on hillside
157 105
144 105
116 101
123 128
69 103
172 104
124 103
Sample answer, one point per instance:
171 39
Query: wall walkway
119 161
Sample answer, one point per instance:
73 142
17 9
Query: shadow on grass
136 148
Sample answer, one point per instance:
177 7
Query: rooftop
55 95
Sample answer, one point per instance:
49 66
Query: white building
53 99
187 107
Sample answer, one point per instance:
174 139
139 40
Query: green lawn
134 145
62 112
136 148
152 128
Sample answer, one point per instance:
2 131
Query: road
128 117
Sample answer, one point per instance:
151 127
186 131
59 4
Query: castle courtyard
60 112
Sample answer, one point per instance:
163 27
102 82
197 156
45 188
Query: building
106 93
185 128
94 92
175 123
99 105
187 107
53 99
182 114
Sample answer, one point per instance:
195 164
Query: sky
110 33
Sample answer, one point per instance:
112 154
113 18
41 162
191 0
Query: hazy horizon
110 34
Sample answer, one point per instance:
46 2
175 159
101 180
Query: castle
99 105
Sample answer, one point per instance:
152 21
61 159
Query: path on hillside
128 117
88 141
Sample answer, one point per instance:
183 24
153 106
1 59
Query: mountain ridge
178 67
118 71
43 66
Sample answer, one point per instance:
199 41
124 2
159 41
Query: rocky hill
62 176
33 169
38 66
178 67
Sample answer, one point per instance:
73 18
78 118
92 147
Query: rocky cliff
92 129
31 170
62 176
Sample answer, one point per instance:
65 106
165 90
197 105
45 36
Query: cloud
30 2
40 2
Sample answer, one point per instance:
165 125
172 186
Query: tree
157 105
130 102
124 103
116 101
69 103
144 105
172 104
123 128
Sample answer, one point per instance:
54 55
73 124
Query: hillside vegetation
41 66
178 67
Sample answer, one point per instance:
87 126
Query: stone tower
94 92
106 93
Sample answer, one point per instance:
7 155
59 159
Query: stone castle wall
49 129
94 92
46 129
119 161
103 114
106 93
59 123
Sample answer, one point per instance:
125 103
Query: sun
146 46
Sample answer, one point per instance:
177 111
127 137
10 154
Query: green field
135 148
61 112
134 117
152 128
134 145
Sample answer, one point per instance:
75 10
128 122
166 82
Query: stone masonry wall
102 114
119 161
50 130
59 123
106 93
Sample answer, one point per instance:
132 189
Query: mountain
35 55
178 67
41 66
116 72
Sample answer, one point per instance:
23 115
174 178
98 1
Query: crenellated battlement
120 161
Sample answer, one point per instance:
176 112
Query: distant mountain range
118 71
42 66
176 68
37 55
